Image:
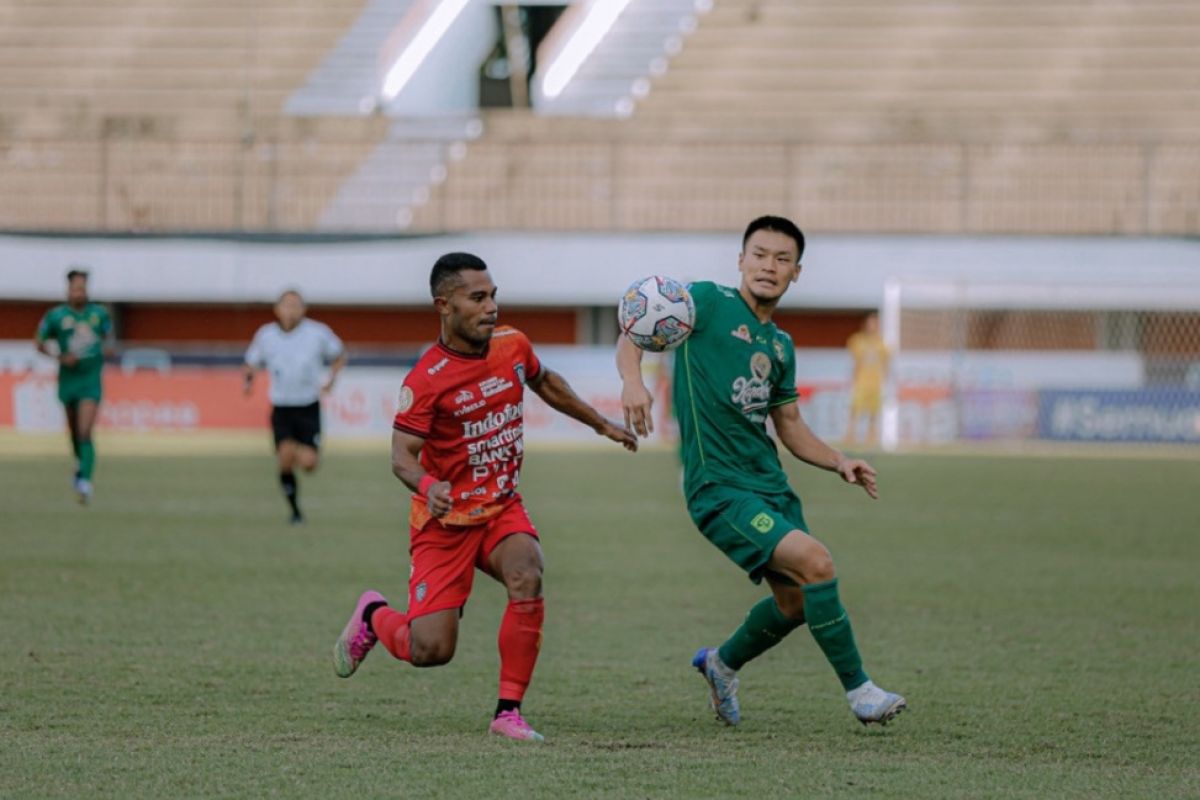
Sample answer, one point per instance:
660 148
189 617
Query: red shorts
444 559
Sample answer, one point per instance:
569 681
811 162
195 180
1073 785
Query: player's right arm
253 361
406 466
636 399
47 330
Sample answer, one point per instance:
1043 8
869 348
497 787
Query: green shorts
83 386
746 525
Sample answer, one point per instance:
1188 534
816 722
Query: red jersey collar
459 354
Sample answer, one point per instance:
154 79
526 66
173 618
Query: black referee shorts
301 424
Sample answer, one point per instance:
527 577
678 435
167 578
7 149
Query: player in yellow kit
871 357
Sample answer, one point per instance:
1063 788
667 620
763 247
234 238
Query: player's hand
248 387
68 359
637 403
855 470
439 499
622 436
326 389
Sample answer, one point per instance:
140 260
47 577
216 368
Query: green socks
830 626
87 458
764 627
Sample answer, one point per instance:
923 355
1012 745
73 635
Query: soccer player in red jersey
457 442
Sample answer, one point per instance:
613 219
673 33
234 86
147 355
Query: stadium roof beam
595 25
432 29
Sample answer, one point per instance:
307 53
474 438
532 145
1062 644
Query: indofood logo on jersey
473 429
753 393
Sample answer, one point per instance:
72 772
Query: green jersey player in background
81 330
736 370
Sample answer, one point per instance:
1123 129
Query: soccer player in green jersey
734 372
81 330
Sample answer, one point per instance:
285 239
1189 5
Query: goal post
1023 362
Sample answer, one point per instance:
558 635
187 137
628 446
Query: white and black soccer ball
656 313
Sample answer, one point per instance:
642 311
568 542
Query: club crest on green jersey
763 523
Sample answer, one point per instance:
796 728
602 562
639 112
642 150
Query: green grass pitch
1042 616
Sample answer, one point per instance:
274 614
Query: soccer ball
656 313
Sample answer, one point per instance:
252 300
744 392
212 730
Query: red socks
392 629
520 641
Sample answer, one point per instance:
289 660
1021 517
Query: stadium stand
942 117
972 116
166 115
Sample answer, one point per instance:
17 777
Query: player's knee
818 565
431 654
524 582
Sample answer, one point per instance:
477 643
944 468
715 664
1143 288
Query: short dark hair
779 225
289 291
76 272
447 267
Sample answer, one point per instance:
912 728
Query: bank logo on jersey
753 393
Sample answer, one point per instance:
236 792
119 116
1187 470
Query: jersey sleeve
255 356
784 391
106 326
331 344
533 364
414 410
704 296
48 327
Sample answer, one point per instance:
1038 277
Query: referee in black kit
296 351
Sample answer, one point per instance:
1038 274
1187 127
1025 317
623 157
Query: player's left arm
558 394
333 350
335 367
108 336
805 445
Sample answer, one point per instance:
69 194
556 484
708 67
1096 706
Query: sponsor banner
185 399
1000 414
362 405
1148 415
592 373
365 400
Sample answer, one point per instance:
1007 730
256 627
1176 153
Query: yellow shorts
866 400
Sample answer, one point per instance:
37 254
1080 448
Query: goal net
1024 363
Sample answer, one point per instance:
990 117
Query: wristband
423 485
